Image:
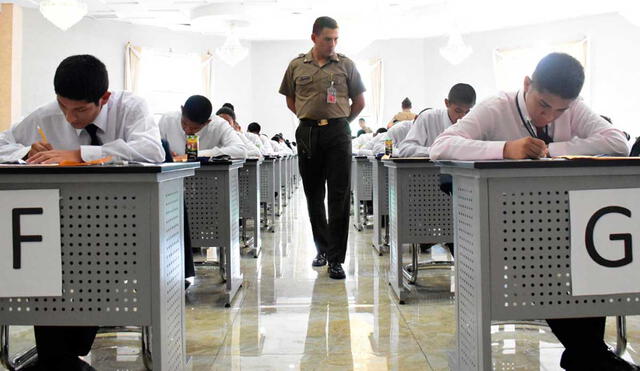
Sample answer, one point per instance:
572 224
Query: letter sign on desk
30 262
605 241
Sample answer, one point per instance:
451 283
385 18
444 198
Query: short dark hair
81 77
559 74
228 111
197 108
381 130
462 94
254 127
229 105
361 119
322 23
406 103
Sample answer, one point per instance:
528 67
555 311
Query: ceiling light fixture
63 13
456 50
232 52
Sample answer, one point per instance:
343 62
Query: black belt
310 122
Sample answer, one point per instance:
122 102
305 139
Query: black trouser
58 346
582 337
325 159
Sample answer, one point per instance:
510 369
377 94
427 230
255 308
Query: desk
512 244
214 211
267 192
121 230
362 189
380 179
419 212
278 191
284 181
249 179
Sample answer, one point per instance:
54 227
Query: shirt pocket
341 84
304 86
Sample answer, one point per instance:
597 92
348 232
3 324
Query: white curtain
377 90
207 67
132 68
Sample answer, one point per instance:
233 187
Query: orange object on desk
100 161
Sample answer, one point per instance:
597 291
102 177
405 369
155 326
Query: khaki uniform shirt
307 82
404 116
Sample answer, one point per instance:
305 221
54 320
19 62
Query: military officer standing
324 89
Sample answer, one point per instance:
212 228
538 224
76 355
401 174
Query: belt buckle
323 122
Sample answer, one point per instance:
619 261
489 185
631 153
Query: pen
44 137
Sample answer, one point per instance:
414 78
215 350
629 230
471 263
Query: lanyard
527 124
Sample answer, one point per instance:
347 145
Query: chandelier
232 52
456 50
63 13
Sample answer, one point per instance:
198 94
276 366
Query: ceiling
359 20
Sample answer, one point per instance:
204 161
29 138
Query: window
512 65
167 79
371 74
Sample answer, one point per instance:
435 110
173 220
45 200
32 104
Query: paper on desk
597 158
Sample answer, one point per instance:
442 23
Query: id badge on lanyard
332 94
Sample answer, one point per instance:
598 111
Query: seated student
229 115
397 134
86 122
253 134
545 118
277 142
364 129
361 141
430 123
215 136
403 115
377 142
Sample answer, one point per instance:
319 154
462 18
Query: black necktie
92 130
543 135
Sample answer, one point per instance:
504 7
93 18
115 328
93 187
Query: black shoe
187 283
320 260
606 360
610 361
335 271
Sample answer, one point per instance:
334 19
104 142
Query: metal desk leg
621 331
20 360
410 271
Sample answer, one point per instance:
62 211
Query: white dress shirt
369 149
215 139
482 134
252 150
255 139
281 148
266 143
125 128
361 141
397 134
424 132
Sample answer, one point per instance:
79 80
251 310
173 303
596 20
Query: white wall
412 68
614 61
45 46
269 62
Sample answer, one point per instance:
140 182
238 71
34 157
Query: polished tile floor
291 316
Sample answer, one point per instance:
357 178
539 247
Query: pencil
44 137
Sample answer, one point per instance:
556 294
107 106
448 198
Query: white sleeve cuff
90 153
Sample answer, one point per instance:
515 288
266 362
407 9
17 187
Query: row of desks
122 241
510 221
